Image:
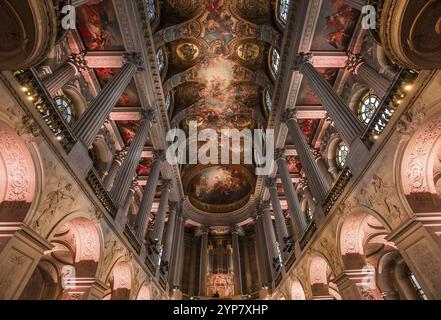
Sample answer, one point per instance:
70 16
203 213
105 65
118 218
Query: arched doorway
68 271
119 282
297 292
144 293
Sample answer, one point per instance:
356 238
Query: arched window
367 108
342 154
151 9
284 10
268 101
66 108
275 62
160 60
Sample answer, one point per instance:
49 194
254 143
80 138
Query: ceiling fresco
307 96
98 26
335 26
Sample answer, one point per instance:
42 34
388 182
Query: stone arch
18 182
297 292
145 292
69 269
321 279
120 281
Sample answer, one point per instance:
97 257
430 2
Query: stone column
131 161
319 185
367 75
93 118
166 253
270 237
156 237
282 231
178 253
296 215
325 173
116 165
77 3
346 122
67 72
358 284
236 261
203 265
18 260
356 4
122 215
142 219
305 187
261 253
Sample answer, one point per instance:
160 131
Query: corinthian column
270 237
282 230
166 253
346 122
93 118
116 165
145 208
367 75
236 260
319 185
67 72
297 218
203 265
131 161
158 231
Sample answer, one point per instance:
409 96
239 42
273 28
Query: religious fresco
335 26
294 165
144 167
127 129
219 188
98 26
219 23
129 98
220 285
307 96
309 128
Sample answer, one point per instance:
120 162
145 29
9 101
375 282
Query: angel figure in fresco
97 24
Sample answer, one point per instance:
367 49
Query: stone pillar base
358 156
79 157
18 261
421 251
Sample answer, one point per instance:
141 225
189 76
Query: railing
95 183
312 228
337 189
150 265
36 92
163 282
133 239
401 86
290 261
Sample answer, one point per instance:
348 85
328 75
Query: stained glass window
342 155
160 60
268 101
66 108
275 61
284 10
368 106
151 9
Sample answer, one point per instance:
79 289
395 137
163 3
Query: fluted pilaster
270 237
145 208
236 260
319 185
346 122
93 118
203 265
166 253
297 218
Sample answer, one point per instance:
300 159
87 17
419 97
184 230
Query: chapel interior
91 208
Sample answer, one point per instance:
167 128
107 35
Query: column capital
303 58
159 155
205 229
134 185
354 62
135 59
167 184
289 114
79 60
271 183
280 154
150 115
235 229
120 155
316 153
